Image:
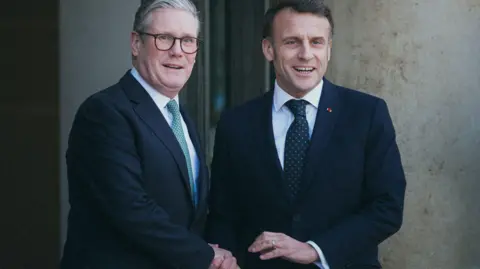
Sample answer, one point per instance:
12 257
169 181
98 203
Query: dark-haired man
308 175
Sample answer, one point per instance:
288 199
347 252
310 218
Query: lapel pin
329 110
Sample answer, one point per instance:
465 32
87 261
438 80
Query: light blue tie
177 129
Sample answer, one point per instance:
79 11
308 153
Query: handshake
270 246
223 259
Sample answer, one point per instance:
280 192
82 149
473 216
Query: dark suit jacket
128 184
352 191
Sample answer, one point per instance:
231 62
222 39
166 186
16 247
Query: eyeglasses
165 42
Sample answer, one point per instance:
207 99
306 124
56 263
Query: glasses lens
189 44
164 42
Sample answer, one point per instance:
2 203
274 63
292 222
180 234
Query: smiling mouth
304 70
173 66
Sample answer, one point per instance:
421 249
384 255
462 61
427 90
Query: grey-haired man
138 181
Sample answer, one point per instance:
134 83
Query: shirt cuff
323 262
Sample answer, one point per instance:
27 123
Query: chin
177 83
304 87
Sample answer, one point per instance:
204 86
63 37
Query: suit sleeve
224 213
384 190
102 158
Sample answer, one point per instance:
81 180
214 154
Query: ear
268 50
135 43
329 49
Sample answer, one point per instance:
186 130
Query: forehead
291 23
173 21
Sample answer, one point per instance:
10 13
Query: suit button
297 218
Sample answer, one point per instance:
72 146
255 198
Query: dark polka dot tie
296 145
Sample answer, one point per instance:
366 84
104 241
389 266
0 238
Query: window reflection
218 92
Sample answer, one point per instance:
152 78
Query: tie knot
173 108
297 107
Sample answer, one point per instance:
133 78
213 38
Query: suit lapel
147 110
327 113
267 145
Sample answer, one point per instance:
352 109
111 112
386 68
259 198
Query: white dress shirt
161 102
282 118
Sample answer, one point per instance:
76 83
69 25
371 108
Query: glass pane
218 93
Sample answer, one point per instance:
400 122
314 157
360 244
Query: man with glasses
138 180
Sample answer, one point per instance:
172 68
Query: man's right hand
223 259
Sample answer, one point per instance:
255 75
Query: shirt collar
159 99
280 96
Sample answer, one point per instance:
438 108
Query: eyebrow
296 37
171 34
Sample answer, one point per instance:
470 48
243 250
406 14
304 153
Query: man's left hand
278 245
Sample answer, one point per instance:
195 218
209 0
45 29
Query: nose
176 49
305 52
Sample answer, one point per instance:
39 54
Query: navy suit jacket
352 190
128 187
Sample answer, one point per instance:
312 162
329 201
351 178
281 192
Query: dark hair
316 7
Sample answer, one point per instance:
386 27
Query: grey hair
142 16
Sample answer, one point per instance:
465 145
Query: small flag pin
329 109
